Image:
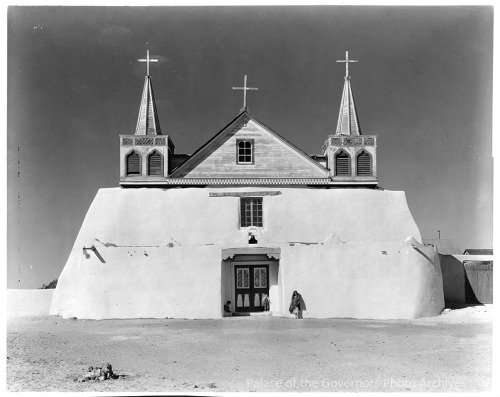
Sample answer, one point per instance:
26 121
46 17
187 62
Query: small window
342 164
364 164
244 153
133 164
251 211
155 164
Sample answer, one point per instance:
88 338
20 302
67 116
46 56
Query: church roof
478 251
219 138
147 121
348 123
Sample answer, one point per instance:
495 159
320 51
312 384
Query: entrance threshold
253 314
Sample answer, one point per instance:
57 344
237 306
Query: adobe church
247 214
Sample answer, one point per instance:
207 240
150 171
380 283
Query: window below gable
251 211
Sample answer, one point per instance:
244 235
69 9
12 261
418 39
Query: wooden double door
251 282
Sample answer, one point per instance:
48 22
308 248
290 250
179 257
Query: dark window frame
148 165
252 215
338 154
362 152
252 153
128 155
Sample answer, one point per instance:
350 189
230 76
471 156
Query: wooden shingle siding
271 158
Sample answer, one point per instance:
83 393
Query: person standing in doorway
295 305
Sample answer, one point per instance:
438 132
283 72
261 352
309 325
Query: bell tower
351 156
145 156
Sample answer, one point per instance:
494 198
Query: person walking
295 305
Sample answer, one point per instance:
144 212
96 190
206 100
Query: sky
423 84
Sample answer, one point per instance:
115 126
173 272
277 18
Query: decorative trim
272 253
144 140
244 194
164 181
350 140
247 181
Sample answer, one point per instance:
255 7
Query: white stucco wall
363 280
28 302
162 254
141 282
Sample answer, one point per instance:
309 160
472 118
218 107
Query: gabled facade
247 152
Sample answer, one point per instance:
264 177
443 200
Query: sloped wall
364 280
158 254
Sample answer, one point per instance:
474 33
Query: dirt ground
451 352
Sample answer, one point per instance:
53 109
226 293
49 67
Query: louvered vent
154 164
342 167
133 164
364 164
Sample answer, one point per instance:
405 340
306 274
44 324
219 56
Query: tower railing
141 140
364 140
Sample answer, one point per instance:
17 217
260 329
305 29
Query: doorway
251 282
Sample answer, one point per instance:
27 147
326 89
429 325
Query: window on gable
133 164
251 211
155 164
364 164
244 153
342 164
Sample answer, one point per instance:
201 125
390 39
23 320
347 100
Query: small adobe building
248 214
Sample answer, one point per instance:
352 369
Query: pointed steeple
148 122
348 123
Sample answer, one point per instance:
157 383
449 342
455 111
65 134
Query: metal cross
147 60
245 89
346 61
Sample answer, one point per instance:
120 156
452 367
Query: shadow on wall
478 281
94 250
466 282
